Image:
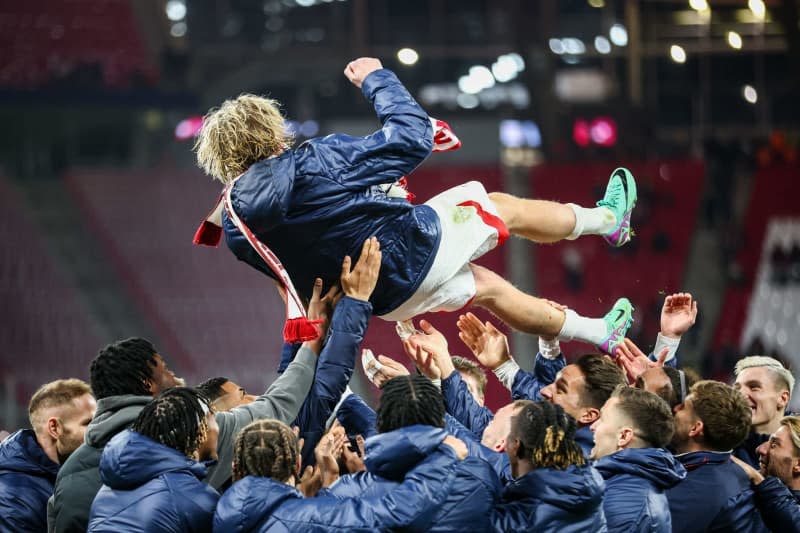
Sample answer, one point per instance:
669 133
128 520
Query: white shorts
468 232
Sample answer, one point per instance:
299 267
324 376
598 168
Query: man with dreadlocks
266 468
330 193
554 487
153 472
125 376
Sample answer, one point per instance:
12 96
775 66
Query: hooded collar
22 453
574 488
656 465
693 460
114 413
249 502
390 455
130 460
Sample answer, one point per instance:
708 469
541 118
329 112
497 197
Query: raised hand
634 362
328 452
434 343
678 314
321 308
354 462
360 283
310 481
356 71
381 369
425 361
486 342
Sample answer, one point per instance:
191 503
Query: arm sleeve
461 405
666 342
778 507
334 370
357 417
281 401
403 142
528 386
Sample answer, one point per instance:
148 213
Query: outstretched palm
486 342
678 314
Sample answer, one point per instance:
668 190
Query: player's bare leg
529 314
544 221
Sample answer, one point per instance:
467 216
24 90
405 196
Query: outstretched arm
678 315
404 141
337 358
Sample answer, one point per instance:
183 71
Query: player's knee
505 204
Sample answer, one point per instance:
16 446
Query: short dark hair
470 367
546 435
175 418
123 367
601 376
651 415
409 400
265 448
725 413
212 388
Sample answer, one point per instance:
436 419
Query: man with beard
716 494
30 458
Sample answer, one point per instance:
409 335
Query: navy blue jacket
636 479
547 499
498 460
356 417
150 487
460 403
779 506
715 496
528 386
261 504
334 370
27 476
325 196
746 451
390 455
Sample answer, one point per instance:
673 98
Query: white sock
592 221
577 327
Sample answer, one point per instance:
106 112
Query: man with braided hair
125 376
264 498
630 436
153 472
330 193
554 487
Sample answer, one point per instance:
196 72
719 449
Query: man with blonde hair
767 386
777 484
30 458
295 213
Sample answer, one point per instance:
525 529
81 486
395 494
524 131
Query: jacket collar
693 460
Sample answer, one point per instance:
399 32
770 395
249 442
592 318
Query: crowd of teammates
618 442
624 443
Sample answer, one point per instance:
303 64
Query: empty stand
45 333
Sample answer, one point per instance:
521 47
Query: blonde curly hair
238 134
